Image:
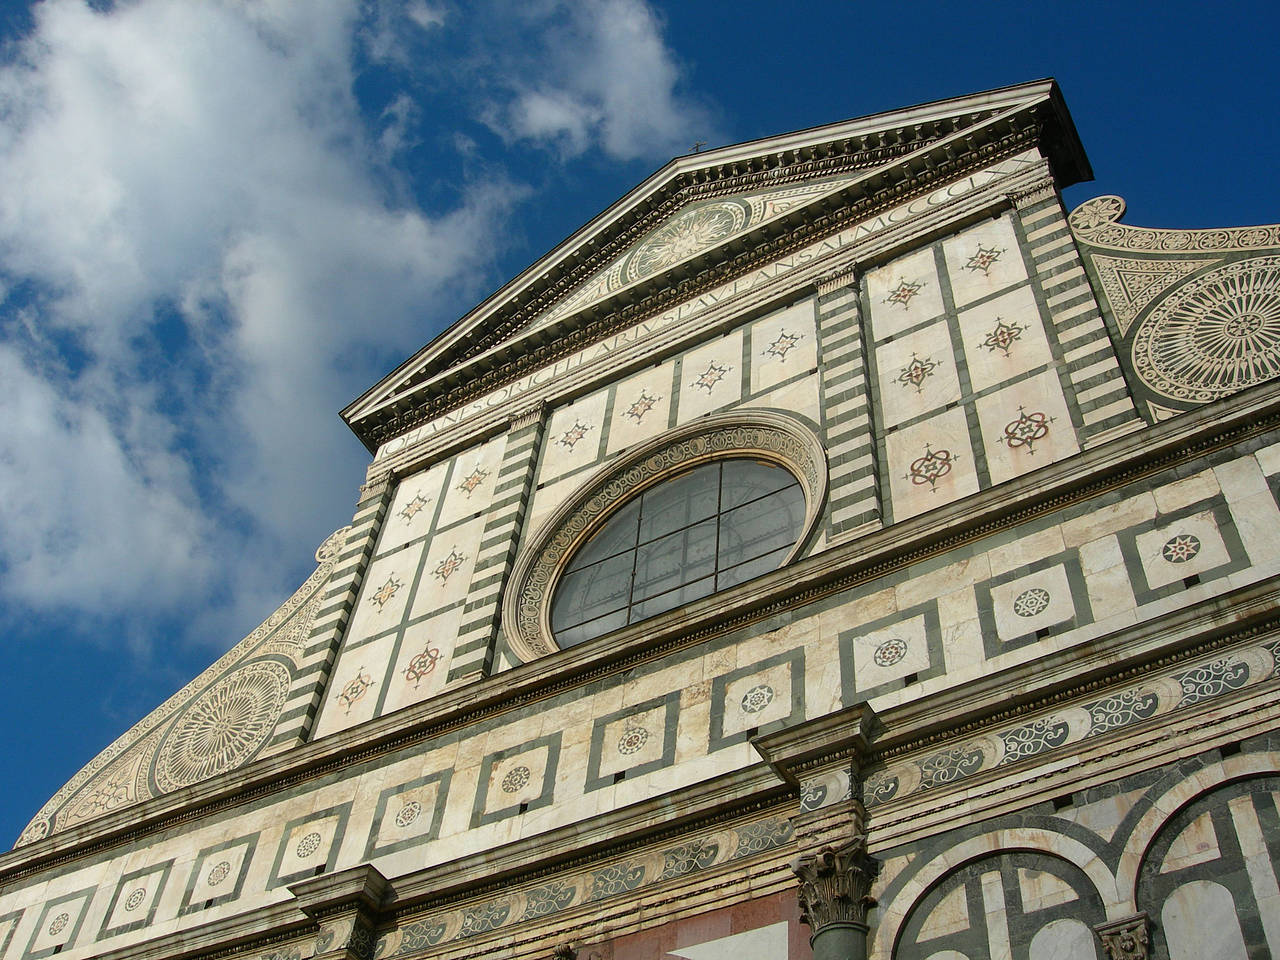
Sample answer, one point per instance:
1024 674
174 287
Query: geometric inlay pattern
224 727
1214 335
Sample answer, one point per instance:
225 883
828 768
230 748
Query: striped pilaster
482 614
853 507
1101 393
337 599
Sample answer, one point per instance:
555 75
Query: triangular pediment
685 235
703 209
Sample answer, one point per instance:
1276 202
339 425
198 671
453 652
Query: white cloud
205 159
606 77
425 15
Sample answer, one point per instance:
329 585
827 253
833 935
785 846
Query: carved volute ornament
835 886
1125 939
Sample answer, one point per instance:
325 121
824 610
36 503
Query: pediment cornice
889 162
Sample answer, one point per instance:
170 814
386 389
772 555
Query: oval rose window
702 531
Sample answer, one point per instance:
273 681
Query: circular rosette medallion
687 233
1217 334
224 726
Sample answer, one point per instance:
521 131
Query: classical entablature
709 218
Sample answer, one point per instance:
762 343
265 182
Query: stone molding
835 885
346 905
766 435
1125 939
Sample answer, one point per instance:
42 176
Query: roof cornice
900 152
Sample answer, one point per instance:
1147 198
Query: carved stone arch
1208 874
767 435
1175 799
926 878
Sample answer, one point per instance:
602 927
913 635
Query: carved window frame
767 435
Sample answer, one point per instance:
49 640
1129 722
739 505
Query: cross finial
698 145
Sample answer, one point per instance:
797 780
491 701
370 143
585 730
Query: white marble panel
890 653
930 464
1003 338
1177 550
422 667
950 915
763 943
572 440
515 779
758 698
355 686
1026 425
413 507
1199 921
983 260
308 844
216 873
630 741
903 293
800 396
711 377
783 344
917 374
60 923
1197 843
1027 604
408 813
446 575
471 482
1064 939
384 593
641 407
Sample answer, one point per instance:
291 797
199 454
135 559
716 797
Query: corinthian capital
835 885
1125 939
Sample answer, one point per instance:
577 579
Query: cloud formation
207 247
606 79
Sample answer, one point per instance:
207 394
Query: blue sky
221 220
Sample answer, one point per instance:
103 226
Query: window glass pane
746 480
672 599
592 591
618 534
752 568
761 526
677 558
739 517
680 502
592 629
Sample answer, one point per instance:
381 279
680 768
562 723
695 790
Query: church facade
834 549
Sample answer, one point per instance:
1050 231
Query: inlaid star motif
355 690
708 379
984 259
413 507
422 665
916 372
573 435
1181 548
781 346
930 468
477 477
1026 430
1003 335
904 291
640 406
446 567
382 596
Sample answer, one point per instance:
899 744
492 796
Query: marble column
835 894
